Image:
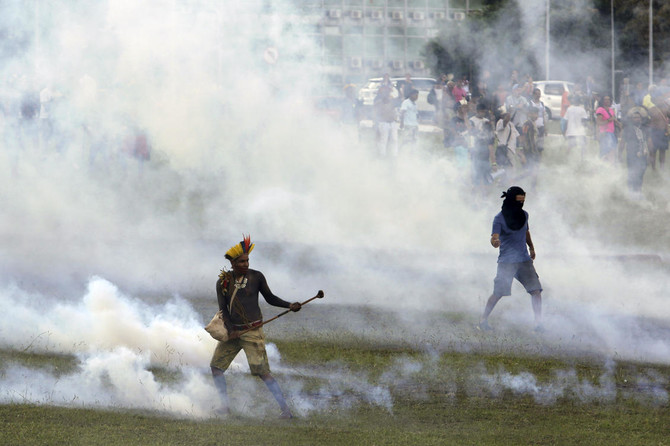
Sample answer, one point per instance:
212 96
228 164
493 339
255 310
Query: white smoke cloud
237 148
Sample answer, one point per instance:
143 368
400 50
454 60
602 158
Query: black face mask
512 210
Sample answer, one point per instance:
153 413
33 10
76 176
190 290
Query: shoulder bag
216 328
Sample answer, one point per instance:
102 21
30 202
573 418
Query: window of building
396 3
374 30
396 31
414 48
416 31
333 44
352 45
396 48
352 30
374 46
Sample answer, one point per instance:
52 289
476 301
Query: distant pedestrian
459 92
530 154
575 130
386 118
409 119
456 136
516 105
607 126
565 103
483 156
635 142
507 136
659 129
406 86
541 120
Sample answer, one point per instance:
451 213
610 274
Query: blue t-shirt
512 243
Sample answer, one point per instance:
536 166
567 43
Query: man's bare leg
220 383
490 304
536 300
277 393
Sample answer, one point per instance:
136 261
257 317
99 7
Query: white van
552 94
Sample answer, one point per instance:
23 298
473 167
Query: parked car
424 84
552 94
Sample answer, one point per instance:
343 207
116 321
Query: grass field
445 398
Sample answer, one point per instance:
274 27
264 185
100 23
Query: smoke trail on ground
646 388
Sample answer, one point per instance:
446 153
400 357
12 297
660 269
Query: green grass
432 406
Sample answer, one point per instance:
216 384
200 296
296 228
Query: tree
489 40
509 34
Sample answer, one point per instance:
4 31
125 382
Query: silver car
552 94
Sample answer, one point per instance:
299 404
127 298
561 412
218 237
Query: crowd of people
46 118
501 133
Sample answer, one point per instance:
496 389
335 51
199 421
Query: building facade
359 39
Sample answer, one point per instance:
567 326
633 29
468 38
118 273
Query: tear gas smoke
236 148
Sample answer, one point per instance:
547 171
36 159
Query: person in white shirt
516 106
575 132
507 135
541 117
477 121
386 120
409 118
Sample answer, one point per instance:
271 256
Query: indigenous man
237 294
510 233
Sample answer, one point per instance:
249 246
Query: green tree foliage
500 37
632 24
489 38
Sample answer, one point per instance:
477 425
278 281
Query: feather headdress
243 247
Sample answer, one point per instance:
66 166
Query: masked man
237 294
510 233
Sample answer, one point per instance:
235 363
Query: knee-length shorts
524 272
253 344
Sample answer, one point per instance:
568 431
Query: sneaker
484 326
